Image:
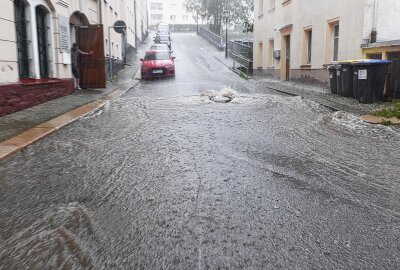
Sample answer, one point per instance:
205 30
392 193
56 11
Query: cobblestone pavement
15 123
171 176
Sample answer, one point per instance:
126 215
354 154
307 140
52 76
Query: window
307 47
156 6
157 17
332 41
107 47
335 42
377 56
22 38
172 18
271 53
43 41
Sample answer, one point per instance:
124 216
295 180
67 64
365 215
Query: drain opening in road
224 95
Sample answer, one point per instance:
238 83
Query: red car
157 64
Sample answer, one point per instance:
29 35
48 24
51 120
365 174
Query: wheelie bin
339 79
333 80
369 77
346 78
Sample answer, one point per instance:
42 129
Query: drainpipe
134 14
101 11
374 32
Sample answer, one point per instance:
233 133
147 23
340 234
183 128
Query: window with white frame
336 42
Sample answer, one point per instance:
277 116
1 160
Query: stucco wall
90 9
315 14
8 54
8 51
388 20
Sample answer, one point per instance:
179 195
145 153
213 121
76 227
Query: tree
212 11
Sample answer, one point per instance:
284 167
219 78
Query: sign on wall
63 23
363 74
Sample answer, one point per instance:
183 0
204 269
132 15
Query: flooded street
205 171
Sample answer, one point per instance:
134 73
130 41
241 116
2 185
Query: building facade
118 46
172 12
296 39
37 35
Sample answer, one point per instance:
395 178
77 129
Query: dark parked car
164 32
163 40
157 64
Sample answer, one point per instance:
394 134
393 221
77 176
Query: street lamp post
226 15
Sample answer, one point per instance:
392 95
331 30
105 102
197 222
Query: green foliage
212 11
390 112
248 26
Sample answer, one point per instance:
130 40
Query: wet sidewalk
317 93
13 124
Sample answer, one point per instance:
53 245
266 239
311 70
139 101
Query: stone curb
379 120
18 143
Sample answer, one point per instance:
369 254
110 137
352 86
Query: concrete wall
388 20
383 16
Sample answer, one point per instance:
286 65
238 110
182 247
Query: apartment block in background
172 12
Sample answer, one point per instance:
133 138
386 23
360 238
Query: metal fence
214 39
242 55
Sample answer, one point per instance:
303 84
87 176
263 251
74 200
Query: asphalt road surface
172 176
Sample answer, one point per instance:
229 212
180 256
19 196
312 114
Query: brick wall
19 96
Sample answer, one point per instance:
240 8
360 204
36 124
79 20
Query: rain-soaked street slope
166 178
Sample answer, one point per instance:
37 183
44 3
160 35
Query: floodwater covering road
164 177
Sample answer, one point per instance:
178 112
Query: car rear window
156 56
163 38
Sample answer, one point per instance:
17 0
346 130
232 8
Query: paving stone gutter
21 129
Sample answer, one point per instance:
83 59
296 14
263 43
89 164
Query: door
92 67
42 30
287 68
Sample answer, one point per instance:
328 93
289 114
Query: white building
172 12
36 38
294 39
134 14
